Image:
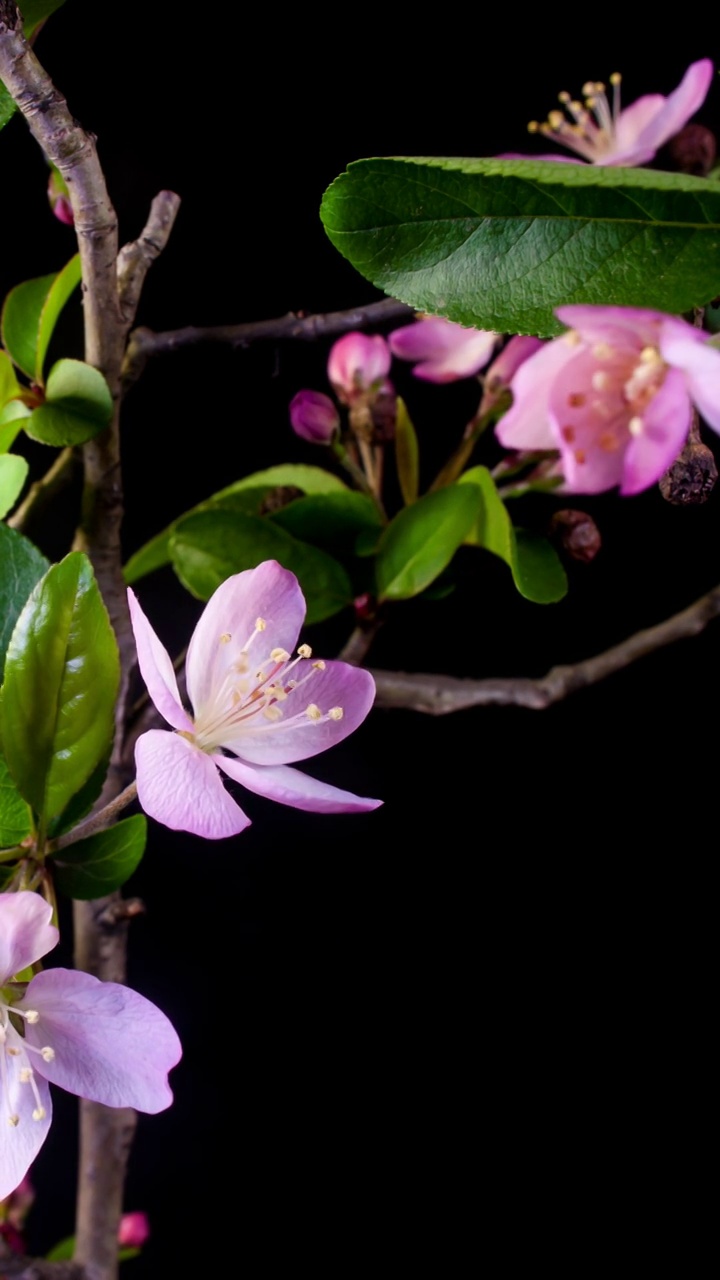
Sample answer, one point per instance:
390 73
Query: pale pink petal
347 692
677 108
228 622
526 425
446 351
590 430
111 1045
629 327
629 127
701 366
666 422
179 785
26 933
289 786
22 1141
156 668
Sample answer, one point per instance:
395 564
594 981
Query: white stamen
336 713
305 651
313 712
636 426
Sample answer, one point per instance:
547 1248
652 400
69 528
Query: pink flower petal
592 434
296 736
26 934
677 109
22 1141
701 366
268 592
111 1045
666 422
179 785
156 668
289 786
526 425
446 351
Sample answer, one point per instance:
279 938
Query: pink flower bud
357 363
134 1230
60 199
314 417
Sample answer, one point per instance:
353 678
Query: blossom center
587 127
608 405
258 690
16 1056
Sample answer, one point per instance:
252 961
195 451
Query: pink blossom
603 134
501 372
445 351
357 365
614 396
97 1039
313 417
250 698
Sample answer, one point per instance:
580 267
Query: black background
406 1027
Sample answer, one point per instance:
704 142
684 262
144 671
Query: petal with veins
22 1141
26 933
157 669
179 785
289 786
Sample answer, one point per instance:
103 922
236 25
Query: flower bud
314 417
577 534
134 1230
59 198
357 363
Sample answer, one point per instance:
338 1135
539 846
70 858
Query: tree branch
144 343
438 695
15 1266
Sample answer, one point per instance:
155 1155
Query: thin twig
438 695
98 821
144 343
42 491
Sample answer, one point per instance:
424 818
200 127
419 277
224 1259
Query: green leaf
332 520
30 314
61 679
13 474
534 563
103 862
15 817
12 421
251 489
9 385
406 454
500 243
422 540
21 566
78 405
209 547
82 802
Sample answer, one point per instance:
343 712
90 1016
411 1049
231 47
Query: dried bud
357 365
691 478
134 1230
577 534
365 607
693 150
314 417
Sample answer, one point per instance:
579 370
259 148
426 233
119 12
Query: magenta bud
314 417
365 608
357 363
134 1230
60 199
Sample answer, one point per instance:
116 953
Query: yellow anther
25 1075
260 624
601 380
279 655
31 1016
242 662
39 1113
636 426
650 355
336 713
304 651
225 637
533 126
13 1053
615 78
555 119
47 1054
313 712
276 691
572 338
319 665
602 351
14 1120
564 97
272 713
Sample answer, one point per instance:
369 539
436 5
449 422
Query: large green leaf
15 817
78 405
332 520
533 561
103 862
500 243
244 495
13 474
30 314
61 679
422 540
209 547
21 566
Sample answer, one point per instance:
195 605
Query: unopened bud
577 534
314 417
365 608
693 150
357 365
691 478
134 1230
59 198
